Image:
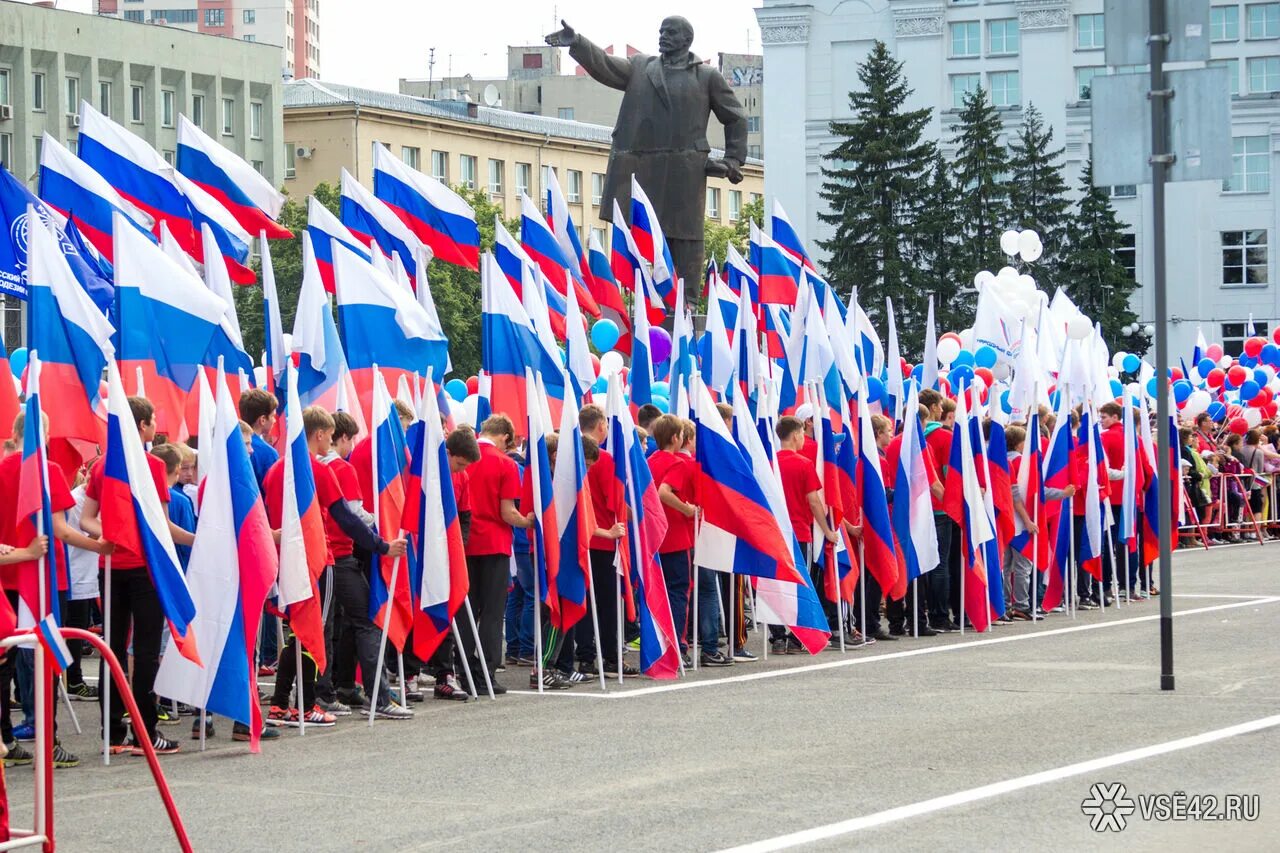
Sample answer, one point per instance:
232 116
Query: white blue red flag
646 233
912 507
390 459
249 197
70 186
375 225
439 217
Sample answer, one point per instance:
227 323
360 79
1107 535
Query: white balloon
1001 371
1117 360
1009 242
1150 330
1252 416
982 279
1113 373
1026 285
1225 362
288 342
469 408
948 349
1032 253
1196 403
1274 385
610 363
1028 242
1008 272
260 376
966 338
1079 327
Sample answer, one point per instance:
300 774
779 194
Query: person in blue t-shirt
258 409
181 511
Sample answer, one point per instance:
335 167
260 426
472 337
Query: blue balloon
963 359
18 361
1153 387
875 389
1260 376
661 389
1004 402
601 385
1131 363
917 373
663 404
985 357
604 334
1270 354
1117 388
1182 390
457 389
1247 360
1249 390
961 376
1217 411
1204 365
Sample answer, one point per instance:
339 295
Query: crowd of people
1225 477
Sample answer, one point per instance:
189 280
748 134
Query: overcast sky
375 42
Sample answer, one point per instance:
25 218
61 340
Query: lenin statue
661 134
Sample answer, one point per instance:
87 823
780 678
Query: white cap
804 411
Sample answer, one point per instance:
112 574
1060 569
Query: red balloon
1216 377
1213 351
595 363
1270 409
1275 335
985 373
944 387
473 384
1175 373
1239 426
1253 346
1237 374
1263 397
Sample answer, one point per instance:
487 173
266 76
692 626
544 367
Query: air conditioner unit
73 119
6 112
302 152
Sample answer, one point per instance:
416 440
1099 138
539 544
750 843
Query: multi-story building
328 127
294 25
535 85
142 77
1044 52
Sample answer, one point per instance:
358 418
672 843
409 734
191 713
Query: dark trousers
351 594
1089 587
872 608
77 614
675 572
936 585
133 602
488 596
287 673
604 599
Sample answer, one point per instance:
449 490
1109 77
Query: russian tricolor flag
739 274
516 266
32 501
877 529
322 374
647 234
436 214
912 507
575 519
326 232
544 248
232 568
236 185
227 345
608 295
274 353
779 273
787 237
977 526
75 190
57 654
390 457
1057 475
373 223
539 499
134 518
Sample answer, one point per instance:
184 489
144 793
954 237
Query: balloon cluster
1017 290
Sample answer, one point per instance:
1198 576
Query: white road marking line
845 827
928 650
1253 597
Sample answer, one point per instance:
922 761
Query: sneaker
778 647
240 732
161 744
1020 615
266 671
498 689
634 645
165 715
411 694
628 671
208 728
392 711
717 659
63 759
898 631
122 747
338 709
686 660
883 636
278 716
744 656
794 647
578 677
1085 604
18 755
353 696
926 631
449 688
82 692
551 680
317 716
24 731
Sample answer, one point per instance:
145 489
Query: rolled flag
275 354
57 655
912 508
32 502
241 189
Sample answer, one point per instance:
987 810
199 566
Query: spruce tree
1038 198
937 241
872 191
981 166
1091 272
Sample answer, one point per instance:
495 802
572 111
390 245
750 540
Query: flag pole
466 670
862 589
537 611
622 605
475 635
404 688
66 700
595 624
964 570
204 721
915 608
680 630
104 682
382 642
302 712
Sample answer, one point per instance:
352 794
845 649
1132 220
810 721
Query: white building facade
1222 238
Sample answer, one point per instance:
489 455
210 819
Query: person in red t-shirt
607 503
898 611
942 587
673 475
494 484
133 598
318 425
806 507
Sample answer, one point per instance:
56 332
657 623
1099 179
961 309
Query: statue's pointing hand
562 37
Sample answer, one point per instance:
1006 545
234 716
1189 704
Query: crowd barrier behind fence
1253 512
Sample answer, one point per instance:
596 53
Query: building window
735 205
467 166
1264 74
532 60
250 37
258 166
597 188
104 98
136 113
168 156
1250 165
440 166
496 176
166 108
1233 73
966 39
1263 20
197 111
137 16
755 151
565 113
1005 89
1124 191
1002 37
251 16
410 156
37 145
524 178
753 124
6 148
73 94
37 91
1090 32
215 17
1084 80
575 186
1224 23
4 87
756 198
962 85
255 119
599 234
290 161
1127 255
1233 335
713 203
1244 258
228 116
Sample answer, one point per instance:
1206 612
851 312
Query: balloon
1116 388
985 374
1270 355
1239 426
663 404
601 385
260 376
1001 371
473 384
1117 360
1213 351
982 279
470 408
1226 361
661 389
595 363
1262 398
662 370
1253 346
457 388
1182 390
1248 360
985 357
948 348
1132 364
1237 375
960 376
1204 365
610 363
963 359
1214 378
604 334
966 338
1029 244
1153 388
1275 334
1032 253
659 344
1198 402
18 361
1079 327
1217 411
1009 242
875 389
1248 390
1252 417
917 372
1260 376
1175 373
1005 405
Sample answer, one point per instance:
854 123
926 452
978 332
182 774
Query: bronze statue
661 133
